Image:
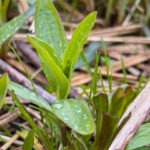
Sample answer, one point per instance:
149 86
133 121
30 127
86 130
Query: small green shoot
124 70
109 76
3 89
29 141
94 79
85 63
22 64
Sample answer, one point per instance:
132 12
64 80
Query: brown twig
21 79
139 110
10 142
28 52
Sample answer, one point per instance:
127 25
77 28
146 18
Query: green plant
55 54
67 123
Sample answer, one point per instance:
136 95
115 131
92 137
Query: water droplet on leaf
58 106
78 111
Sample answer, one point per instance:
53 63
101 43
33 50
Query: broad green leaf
53 72
11 27
48 26
75 114
3 89
29 141
76 43
29 95
141 138
43 46
30 120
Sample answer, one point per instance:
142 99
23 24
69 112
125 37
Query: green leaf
29 141
76 43
101 106
107 133
3 89
48 26
75 114
141 138
53 72
29 95
11 27
120 100
43 46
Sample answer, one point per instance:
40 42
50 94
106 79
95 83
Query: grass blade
27 117
29 141
3 89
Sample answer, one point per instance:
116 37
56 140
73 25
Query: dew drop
76 127
78 111
60 45
78 44
87 127
84 117
66 119
40 27
33 94
81 33
58 106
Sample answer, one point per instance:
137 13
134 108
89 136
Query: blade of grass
27 117
29 141
102 82
109 76
4 10
3 89
124 71
93 88
22 64
85 63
